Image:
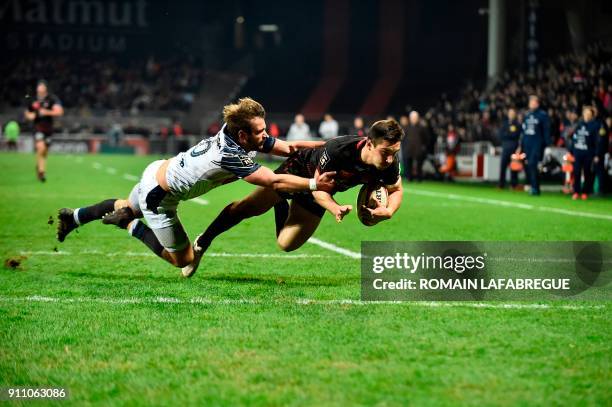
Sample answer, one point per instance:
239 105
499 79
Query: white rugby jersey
212 162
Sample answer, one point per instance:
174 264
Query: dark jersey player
355 160
42 111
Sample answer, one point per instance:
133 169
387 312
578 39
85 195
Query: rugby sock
144 233
281 212
93 212
223 222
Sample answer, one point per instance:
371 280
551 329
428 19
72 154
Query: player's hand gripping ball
375 198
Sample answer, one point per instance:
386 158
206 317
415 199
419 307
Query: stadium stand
563 84
105 83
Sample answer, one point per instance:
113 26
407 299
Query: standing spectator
607 102
601 148
414 147
177 129
358 128
509 134
42 111
328 129
11 133
163 132
179 132
452 147
213 129
403 120
535 137
584 142
299 130
273 130
568 127
115 134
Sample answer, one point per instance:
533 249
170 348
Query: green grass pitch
89 314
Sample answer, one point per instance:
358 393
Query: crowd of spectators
89 84
564 86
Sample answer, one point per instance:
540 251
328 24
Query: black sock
281 212
144 233
224 221
95 212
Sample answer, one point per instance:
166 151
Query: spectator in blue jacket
584 143
601 148
535 136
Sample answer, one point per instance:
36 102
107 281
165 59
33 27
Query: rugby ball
370 196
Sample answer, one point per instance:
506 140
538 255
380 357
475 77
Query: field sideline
260 327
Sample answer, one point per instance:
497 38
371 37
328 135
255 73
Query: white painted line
147 254
297 301
334 248
548 260
111 170
44 253
97 165
498 202
268 255
130 177
280 256
200 201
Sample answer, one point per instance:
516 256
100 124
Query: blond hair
238 116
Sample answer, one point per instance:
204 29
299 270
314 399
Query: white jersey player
215 161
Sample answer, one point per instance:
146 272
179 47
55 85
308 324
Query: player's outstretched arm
396 194
328 202
286 148
265 177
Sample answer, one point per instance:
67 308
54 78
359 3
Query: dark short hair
389 130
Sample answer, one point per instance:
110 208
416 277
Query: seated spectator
358 128
328 129
273 130
299 130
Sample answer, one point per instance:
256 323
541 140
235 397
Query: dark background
444 41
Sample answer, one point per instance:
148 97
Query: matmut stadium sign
96 26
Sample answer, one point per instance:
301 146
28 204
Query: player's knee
286 245
121 203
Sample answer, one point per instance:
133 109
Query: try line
499 202
296 301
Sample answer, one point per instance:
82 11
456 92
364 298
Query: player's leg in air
163 234
295 223
257 203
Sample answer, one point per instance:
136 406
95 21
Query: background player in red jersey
42 111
